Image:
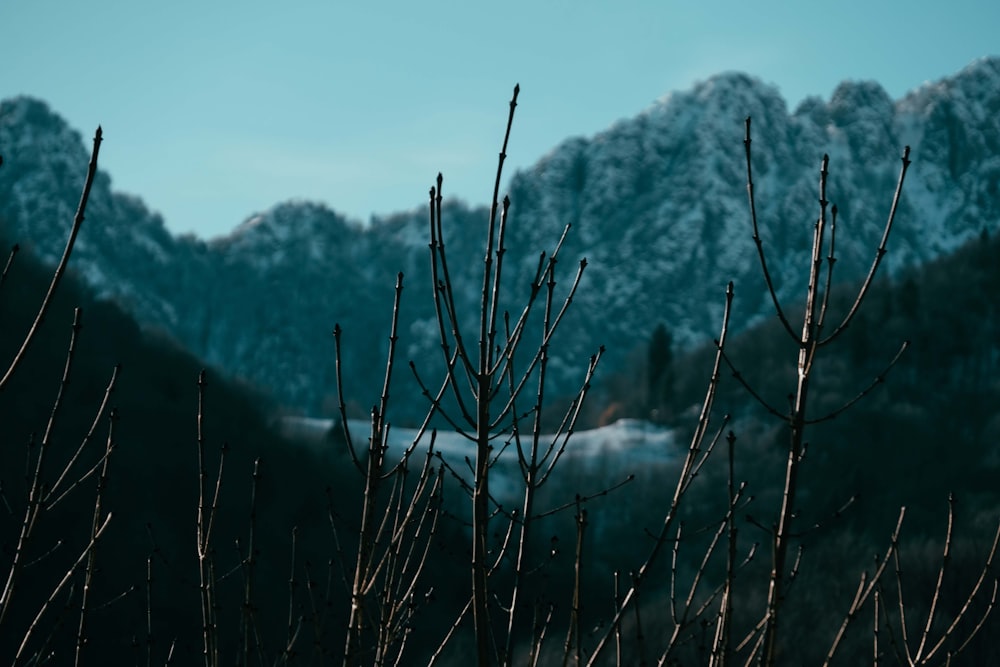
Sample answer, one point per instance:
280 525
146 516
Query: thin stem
10 261
62 583
867 586
945 560
572 646
879 252
61 267
796 420
102 482
879 379
248 621
757 240
206 560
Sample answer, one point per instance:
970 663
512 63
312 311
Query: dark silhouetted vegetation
152 515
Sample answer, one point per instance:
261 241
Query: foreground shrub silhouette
705 592
143 594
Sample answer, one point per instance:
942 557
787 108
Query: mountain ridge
657 205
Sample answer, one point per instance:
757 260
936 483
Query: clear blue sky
213 110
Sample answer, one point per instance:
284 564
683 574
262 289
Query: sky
214 110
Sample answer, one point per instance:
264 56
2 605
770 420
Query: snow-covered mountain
657 205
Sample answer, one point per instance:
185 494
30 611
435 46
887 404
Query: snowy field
621 448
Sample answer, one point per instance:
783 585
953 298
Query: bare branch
879 379
866 587
10 261
759 243
61 267
48 602
879 253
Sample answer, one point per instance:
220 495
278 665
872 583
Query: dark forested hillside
935 414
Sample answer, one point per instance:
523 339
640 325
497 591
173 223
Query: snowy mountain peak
284 222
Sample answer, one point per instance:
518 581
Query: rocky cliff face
657 205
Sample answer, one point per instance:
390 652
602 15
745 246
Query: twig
81 636
757 240
61 267
59 587
10 261
879 253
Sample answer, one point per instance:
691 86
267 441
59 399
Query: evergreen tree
660 358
